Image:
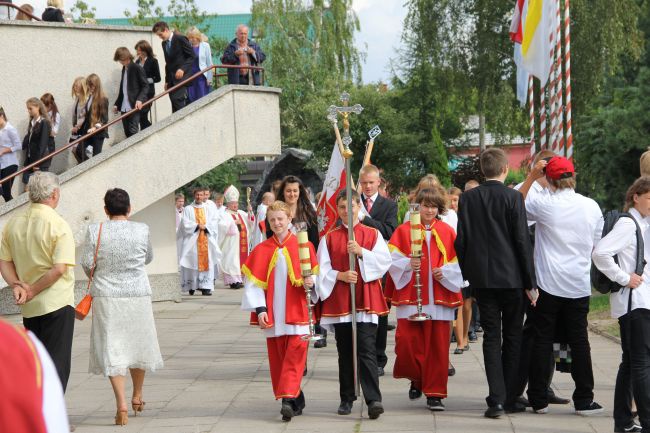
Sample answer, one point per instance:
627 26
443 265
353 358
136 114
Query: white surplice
229 243
255 297
374 264
187 237
258 237
401 273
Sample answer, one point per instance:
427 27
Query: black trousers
6 187
572 313
502 315
178 98
131 124
367 361
633 377
527 342
95 142
380 342
144 117
55 331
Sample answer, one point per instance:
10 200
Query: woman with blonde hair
54 11
96 117
203 59
80 95
55 122
37 139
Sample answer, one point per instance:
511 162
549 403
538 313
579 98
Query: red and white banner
334 183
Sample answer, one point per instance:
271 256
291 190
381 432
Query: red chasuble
260 269
21 382
369 295
442 253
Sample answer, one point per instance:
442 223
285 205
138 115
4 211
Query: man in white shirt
568 225
630 305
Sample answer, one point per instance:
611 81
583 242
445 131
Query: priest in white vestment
199 248
235 227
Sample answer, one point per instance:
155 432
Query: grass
599 316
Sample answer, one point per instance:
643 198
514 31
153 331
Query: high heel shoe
137 406
122 417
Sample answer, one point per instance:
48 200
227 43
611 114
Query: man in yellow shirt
37 256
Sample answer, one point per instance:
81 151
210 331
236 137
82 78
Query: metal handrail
127 114
11 5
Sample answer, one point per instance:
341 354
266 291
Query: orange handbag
83 307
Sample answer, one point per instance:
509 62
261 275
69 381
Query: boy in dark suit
133 90
179 56
380 213
495 255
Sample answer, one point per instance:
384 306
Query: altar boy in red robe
274 293
422 348
333 288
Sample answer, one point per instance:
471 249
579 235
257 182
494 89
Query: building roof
470 137
220 26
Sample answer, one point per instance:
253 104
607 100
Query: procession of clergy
214 239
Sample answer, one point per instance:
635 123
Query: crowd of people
185 55
522 255
532 290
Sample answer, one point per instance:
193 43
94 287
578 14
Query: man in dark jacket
495 255
243 51
133 90
179 56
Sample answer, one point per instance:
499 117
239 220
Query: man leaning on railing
245 52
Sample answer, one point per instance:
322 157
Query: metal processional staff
344 147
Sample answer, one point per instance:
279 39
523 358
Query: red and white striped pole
559 106
542 117
531 111
567 78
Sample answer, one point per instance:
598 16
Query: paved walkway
216 379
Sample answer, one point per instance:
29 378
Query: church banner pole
344 146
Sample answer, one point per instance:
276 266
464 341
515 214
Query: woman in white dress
123 334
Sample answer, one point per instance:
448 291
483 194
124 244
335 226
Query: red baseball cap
558 167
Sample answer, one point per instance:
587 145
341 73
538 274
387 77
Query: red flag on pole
334 183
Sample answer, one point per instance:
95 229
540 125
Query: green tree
82 12
219 178
311 54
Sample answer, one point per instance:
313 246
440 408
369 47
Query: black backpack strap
640 259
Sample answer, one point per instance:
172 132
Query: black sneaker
375 408
451 371
591 409
479 329
287 410
191 292
345 408
435 404
414 393
319 344
516 407
473 338
206 292
634 427
380 371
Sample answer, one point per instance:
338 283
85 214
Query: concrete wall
40 57
151 165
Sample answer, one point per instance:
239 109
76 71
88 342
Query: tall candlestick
416 231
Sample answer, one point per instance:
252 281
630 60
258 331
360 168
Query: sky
380 20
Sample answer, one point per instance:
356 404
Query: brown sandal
137 406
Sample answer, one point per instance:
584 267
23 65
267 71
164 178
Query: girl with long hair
36 140
55 123
96 117
146 59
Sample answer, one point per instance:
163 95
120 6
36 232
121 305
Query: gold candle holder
305 270
416 252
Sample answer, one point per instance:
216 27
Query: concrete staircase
151 165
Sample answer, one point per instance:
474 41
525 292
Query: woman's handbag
83 307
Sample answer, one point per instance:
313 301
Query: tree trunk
481 131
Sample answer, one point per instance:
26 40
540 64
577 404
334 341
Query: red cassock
422 348
287 353
369 295
21 382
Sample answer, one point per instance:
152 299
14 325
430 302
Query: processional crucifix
344 147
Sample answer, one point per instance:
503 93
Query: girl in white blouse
9 144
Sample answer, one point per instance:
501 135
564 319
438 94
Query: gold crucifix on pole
344 147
